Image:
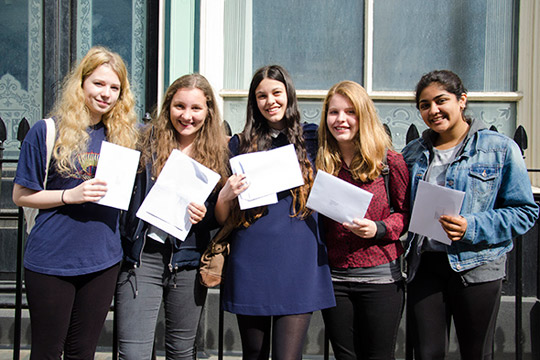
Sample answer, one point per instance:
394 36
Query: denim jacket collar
429 136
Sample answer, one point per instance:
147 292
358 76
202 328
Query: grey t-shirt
436 174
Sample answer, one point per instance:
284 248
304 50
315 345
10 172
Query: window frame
528 61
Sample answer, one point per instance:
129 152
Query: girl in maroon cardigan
364 255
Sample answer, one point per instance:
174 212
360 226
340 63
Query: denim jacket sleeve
498 210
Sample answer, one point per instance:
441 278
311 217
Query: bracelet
62 198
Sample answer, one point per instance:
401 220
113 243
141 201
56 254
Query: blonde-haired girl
73 121
367 154
73 252
363 255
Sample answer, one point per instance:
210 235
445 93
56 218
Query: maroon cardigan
345 249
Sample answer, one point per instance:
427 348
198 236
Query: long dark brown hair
256 137
448 80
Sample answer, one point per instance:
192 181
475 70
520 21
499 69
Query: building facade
385 45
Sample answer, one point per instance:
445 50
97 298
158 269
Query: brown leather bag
214 258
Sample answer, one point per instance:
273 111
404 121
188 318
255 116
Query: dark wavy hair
446 78
256 137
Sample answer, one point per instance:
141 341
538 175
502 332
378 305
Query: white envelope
181 181
338 199
430 203
267 173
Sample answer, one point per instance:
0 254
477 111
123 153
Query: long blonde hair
73 116
210 145
370 144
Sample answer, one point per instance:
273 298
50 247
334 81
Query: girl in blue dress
277 272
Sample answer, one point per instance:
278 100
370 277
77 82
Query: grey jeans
139 295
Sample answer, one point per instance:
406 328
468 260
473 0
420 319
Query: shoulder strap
385 173
31 213
51 136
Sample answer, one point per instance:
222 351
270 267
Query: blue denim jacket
498 204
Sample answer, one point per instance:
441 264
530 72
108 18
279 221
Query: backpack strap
385 174
51 137
31 213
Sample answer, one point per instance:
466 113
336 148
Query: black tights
288 333
68 312
436 295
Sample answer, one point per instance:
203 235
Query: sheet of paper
181 181
338 199
117 166
267 173
430 203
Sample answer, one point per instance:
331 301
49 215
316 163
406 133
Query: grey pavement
7 354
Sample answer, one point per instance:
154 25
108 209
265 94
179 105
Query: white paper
117 166
430 203
181 181
267 173
338 199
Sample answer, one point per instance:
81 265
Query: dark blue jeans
365 322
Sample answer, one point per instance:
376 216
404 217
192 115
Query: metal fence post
221 326
24 126
519 340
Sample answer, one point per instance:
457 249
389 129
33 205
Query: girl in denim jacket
463 280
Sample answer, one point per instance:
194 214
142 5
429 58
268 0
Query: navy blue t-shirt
71 239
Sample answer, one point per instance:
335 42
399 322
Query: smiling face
101 91
271 98
342 120
188 112
441 110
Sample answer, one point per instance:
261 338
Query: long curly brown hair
158 140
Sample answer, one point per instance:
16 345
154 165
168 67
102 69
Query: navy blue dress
279 264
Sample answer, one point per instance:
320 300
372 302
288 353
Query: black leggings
288 333
365 322
436 295
67 312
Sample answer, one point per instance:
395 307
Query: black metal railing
520 137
